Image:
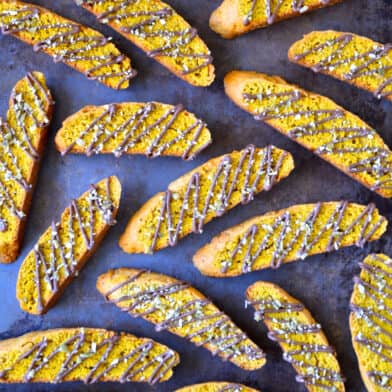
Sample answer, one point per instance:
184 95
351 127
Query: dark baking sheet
323 282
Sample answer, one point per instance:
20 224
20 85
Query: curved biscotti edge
19 344
214 386
127 61
228 23
235 81
94 111
364 374
129 241
296 47
113 280
204 258
161 59
115 187
9 250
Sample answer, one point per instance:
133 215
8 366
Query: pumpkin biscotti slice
318 124
65 247
84 354
22 140
175 306
279 237
151 128
164 35
203 194
218 386
371 322
301 338
236 17
80 47
354 59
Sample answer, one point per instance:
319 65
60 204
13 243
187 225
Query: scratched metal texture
323 283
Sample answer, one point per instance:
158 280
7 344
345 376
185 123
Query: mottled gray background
323 282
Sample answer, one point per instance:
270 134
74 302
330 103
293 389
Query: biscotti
370 322
354 59
152 129
65 246
236 17
203 194
80 47
278 237
301 338
22 140
156 28
179 308
219 386
317 123
84 354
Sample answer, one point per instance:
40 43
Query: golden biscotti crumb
218 386
164 35
151 128
23 136
301 338
80 47
279 237
203 194
317 123
64 248
84 354
370 322
175 306
354 59
236 17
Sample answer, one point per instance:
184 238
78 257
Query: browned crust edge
304 63
70 64
105 283
226 21
9 251
54 298
235 81
61 147
160 59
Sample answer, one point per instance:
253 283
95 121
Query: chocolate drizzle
60 263
363 63
93 345
134 129
288 232
16 142
148 26
184 313
344 138
221 183
371 309
67 42
231 388
272 10
292 334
